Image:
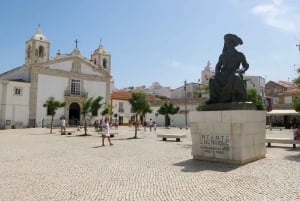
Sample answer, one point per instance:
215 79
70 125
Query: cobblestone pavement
37 166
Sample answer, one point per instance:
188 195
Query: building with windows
69 77
279 94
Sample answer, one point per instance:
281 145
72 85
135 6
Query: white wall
49 86
127 110
16 107
88 70
95 88
66 66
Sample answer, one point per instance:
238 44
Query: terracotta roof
121 95
288 85
126 95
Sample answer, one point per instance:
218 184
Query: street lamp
185 106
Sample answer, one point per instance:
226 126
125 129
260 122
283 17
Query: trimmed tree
296 104
52 105
253 97
139 106
168 109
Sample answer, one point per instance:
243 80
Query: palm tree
139 106
90 105
168 109
96 105
52 105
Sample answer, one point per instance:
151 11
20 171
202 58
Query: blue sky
168 41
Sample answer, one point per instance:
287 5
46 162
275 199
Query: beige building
66 77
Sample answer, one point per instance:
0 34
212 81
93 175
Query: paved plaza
37 166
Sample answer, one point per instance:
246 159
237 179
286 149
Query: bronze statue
227 85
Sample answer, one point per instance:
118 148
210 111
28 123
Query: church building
69 78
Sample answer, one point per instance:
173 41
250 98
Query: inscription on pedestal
215 145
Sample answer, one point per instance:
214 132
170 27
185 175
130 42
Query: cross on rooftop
76 41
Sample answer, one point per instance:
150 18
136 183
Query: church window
104 63
95 61
75 87
28 51
18 91
41 51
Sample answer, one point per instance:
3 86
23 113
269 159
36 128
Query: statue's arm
244 63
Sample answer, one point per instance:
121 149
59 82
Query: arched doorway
74 114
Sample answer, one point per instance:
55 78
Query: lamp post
185 106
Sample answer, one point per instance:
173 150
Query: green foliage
105 111
52 105
90 105
199 107
168 109
139 106
139 103
161 97
253 97
96 105
296 104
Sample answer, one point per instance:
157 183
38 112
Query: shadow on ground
198 166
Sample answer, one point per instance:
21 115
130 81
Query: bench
276 127
282 141
67 132
176 136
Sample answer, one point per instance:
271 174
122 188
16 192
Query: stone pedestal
236 136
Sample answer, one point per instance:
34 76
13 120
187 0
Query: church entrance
74 114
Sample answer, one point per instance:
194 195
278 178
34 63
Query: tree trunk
136 126
167 120
51 124
85 126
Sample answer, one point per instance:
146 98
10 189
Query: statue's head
232 40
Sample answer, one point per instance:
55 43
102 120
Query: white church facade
71 78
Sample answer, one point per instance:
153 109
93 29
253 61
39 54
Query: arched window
104 63
95 61
41 51
28 51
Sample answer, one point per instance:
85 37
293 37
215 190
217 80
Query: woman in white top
106 132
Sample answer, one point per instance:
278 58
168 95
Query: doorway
74 114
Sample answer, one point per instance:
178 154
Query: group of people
105 127
151 124
98 124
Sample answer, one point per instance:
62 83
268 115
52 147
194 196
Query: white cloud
279 15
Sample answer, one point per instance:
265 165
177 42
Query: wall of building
124 112
95 88
45 90
14 107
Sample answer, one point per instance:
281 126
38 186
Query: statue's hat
233 38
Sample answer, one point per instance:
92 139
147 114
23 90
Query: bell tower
37 48
101 58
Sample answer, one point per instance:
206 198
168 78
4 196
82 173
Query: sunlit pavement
36 165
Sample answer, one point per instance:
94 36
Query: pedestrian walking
106 132
63 126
